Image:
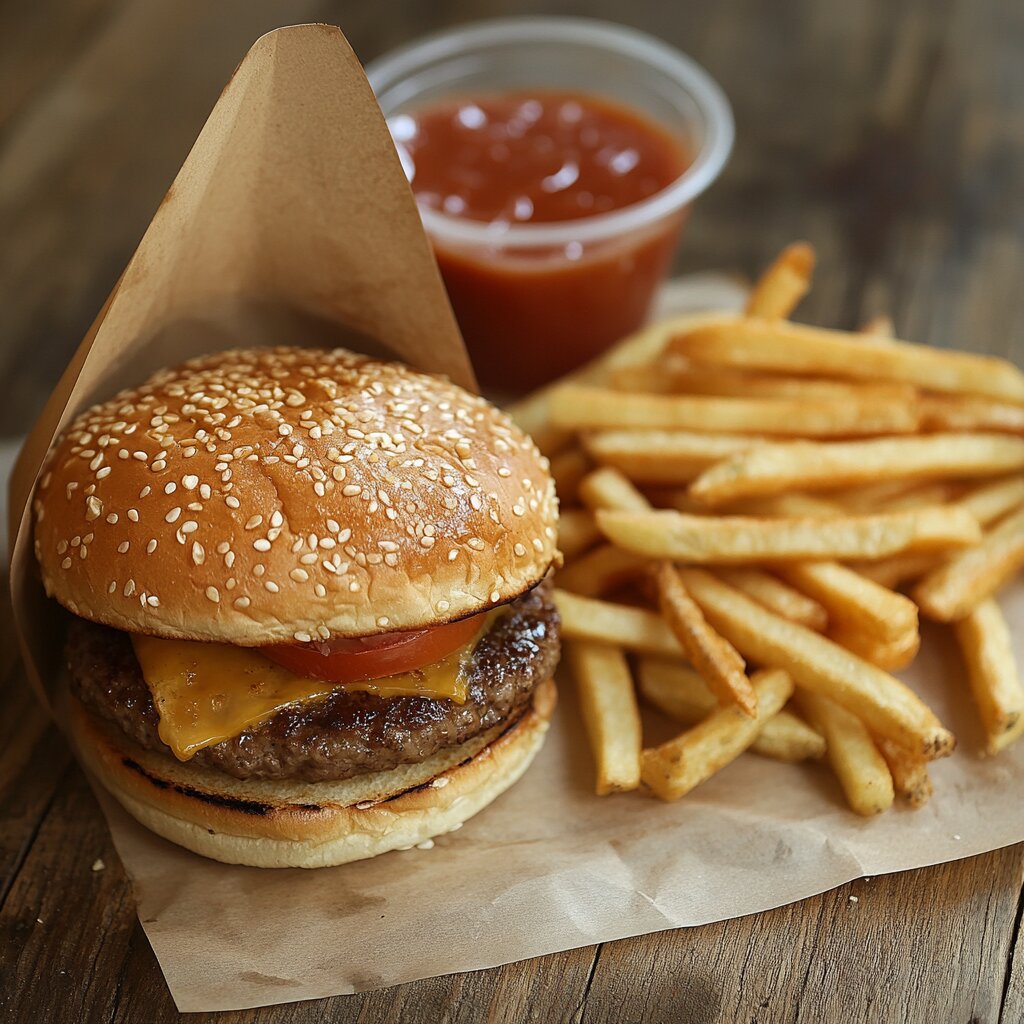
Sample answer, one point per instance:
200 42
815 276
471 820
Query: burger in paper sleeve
311 621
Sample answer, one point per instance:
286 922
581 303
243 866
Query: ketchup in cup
553 162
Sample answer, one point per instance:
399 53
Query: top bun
278 495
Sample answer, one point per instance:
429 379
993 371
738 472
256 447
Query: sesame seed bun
277 824
276 495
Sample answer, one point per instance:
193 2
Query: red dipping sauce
533 310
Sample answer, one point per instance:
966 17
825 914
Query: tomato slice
356 659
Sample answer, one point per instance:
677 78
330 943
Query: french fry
957 587
577 532
783 284
532 412
984 640
583 407
770 468
608 488
856 761
777 596
897 569
854 600
909 773
676 376
964 412
990 502
601 570
610 713
931 492
792 505
770 345
676 767
636 629
725 540
663 456
717 662
883 703
892 655
568 468
679 692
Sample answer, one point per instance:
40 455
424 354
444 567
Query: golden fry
717 662
577 532
783 284
789 347
610 713
909 772
676 767
892 655
636 629
965 412
601 570
583 407
679 692
990 502
771 468
957 587
777 596
568 468
725 540
676 376
984 639
898 569
886 705
856 761
608 488
853 600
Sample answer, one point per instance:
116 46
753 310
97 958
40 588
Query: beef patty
347 733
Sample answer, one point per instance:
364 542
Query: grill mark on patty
348 733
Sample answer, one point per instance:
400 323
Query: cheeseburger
309 616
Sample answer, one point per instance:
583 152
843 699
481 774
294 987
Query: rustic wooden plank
1012 1009
925 946
66 925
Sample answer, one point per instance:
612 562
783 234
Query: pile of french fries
754 515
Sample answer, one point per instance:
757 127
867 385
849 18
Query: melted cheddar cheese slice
205 693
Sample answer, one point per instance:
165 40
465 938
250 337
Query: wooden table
890 135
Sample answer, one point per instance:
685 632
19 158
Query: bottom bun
288 824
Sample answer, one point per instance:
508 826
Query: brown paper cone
290 222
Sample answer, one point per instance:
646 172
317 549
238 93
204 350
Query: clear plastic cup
535 300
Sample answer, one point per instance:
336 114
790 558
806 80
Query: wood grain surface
888 133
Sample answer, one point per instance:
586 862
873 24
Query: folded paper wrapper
548 866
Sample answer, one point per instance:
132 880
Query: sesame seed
277 519
272 586
170 488
171 517
321 590
213 594
261 544
112 518
122 548
443 606
520 550
241 602
153 601
129 588
189 526
112 587
205 492
231 501
299 575
495 596
66 564
198 553
151 546
189 481
302 637
253 522
93 508
382 621
104 472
